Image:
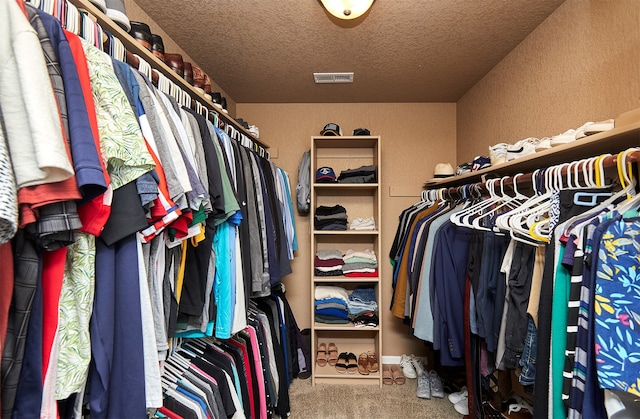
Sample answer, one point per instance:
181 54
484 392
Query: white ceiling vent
333 77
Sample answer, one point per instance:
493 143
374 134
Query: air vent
333 77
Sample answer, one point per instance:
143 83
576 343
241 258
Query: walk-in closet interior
445 223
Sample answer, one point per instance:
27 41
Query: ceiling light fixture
347 9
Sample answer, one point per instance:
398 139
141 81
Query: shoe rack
360 200
624 135
157 64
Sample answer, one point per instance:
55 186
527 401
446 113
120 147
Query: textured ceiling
266 51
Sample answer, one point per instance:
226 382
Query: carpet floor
326 401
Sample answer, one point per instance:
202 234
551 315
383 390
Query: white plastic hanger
508 203
462 218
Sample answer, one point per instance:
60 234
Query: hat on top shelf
331 129
442 171
325 174
361 131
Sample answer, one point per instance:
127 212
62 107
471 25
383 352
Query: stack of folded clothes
363 174
363 308
330 218
362 224
331 305
328 263
361 263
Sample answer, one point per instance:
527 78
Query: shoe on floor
436 385
458 395
407 366
462 406
417 364
424 388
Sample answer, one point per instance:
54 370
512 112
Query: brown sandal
372 362
386 375
332 350
398 376
363 364
321 355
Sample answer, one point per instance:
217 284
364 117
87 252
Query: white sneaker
498 153
600 126
545 143
564 138
458 395
522 148
417 364
462 406
407 366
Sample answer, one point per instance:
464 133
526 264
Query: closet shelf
133 46
612 141
332 279
347 186
346 232
344 327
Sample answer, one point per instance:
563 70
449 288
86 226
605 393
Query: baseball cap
361 131
325 174
331 129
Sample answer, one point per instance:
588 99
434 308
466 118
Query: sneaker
544 144
522 148
407 366
599 126
417 364
424 387
462 406
498 153
435 382
458 395
564 138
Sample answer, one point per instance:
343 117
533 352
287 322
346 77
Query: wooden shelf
344 327
133 46
613 141
325 279
357 199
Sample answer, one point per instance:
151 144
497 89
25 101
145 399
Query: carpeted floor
343 401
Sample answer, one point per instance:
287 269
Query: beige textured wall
135 12
581 64
414 137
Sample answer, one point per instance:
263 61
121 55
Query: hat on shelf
442 171
325 174
117 12
331 129
361 131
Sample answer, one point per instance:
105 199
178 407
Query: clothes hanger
508 203
625 173
461 218
604 207
523 218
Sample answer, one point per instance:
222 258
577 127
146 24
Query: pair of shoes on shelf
588 128
430 385
411 366
347 362
327 354
367 363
